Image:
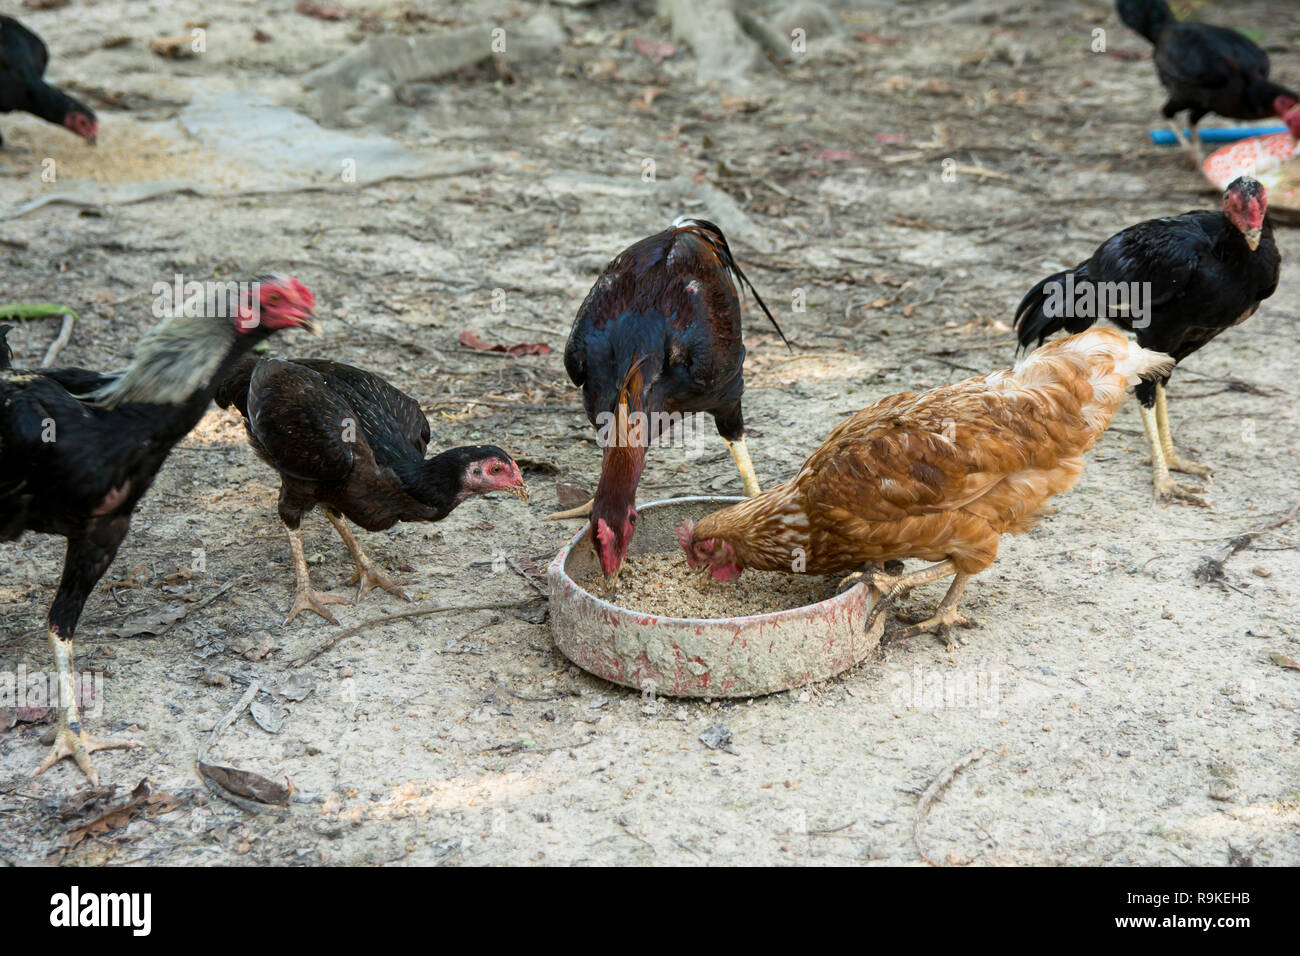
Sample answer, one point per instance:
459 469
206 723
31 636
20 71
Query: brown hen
939 476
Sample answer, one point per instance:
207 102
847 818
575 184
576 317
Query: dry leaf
174 48
155 623
322 11
571 496
143 801
270 717
179 575
1281 660
245 783
655 50
471 340
296 686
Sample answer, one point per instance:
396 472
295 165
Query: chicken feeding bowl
701 657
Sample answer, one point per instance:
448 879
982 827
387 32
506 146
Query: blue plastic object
1222 134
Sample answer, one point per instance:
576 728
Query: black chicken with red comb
658 335
23 59
345 439
79 449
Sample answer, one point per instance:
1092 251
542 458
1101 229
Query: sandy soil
1126 711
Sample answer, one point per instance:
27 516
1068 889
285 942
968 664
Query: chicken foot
946 616
582 511
1165 487
367 575
740 454
306 599
1175 461
890 587
70 740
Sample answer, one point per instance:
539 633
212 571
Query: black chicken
78 449
346 439
1176 283
23 58
1207 69
658 333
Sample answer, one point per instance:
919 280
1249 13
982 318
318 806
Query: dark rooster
346 439
1176 283
23 58
78 449
658 335
1207 69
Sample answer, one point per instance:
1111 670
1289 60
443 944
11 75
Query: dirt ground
1127 712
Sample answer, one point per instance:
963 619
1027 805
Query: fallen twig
932 791
231 716
416 612
187 611
527 577
64 337
1211 570
512 406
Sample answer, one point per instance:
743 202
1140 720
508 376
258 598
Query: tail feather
6 353
1044 311
712 234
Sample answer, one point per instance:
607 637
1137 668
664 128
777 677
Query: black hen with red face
78 449
1208 69
658 333
23 58
1177 283
346 439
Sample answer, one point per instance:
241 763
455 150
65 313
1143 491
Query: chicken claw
1180 464
1166 490
940 625
79 746
370 577
366 574
308 599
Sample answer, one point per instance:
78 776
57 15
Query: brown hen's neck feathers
768 532
173 361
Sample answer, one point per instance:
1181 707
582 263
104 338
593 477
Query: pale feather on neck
173 361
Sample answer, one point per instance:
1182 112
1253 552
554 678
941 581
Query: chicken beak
520 491
310 325
1252 238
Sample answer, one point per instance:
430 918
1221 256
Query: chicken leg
1175 461
367 575
70 740
740 454
305 599
1165 487
1192 146
893 586
946 616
